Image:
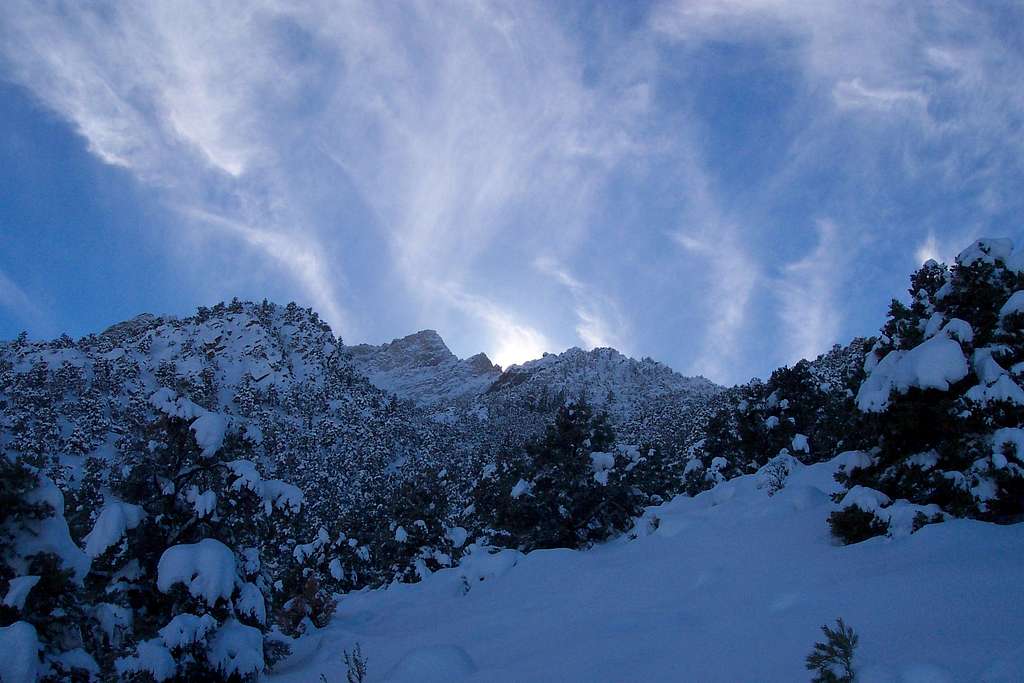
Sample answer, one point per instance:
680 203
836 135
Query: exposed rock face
420 367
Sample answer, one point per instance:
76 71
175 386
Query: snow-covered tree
942 392
569 489
188 550
41 573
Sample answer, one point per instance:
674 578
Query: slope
730 585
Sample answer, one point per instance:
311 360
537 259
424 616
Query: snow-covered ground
732 585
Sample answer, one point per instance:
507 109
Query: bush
832 661
853 525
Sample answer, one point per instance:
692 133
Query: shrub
832 661
853 525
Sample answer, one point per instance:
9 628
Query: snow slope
729 586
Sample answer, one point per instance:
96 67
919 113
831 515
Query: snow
112 618
273 492
867 499
186 629
728 591
210 430
1003 389
250 602
237 649
959 330
457 535
432 664
281 495
602 464
203 503
933 364
800 444
20 646
51 535
995 384
925 461
401 535
522 488
152 657
986 250
1009 436
18 590
114 520
207 568
1015 304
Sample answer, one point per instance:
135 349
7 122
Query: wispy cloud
21 306
599 320
452 122
807 295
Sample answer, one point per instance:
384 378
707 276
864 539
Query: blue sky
726 185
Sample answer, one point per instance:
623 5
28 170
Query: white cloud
599 320
807 291
854 94
302 258
510 340
454 122
18 303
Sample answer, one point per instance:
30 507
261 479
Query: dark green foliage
163 474
853 525
832 660
952 427
756 421
562 502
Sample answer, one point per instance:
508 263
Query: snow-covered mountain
605 377
421 368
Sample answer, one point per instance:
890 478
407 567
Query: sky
726 186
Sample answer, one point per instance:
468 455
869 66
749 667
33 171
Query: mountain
421 368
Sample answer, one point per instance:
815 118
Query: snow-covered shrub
41 571
190 548
832 660
853 524
569 489
807 409
943 383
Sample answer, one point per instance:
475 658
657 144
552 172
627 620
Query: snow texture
19 645
457 535
250 602
237 649
207 568
51 535
186 629
432 664
18 590
933 364
210 430
114 520
152 657
1012 437
1015 304
273 492
522 488
867 499
602 464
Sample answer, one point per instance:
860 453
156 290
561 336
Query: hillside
731 585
